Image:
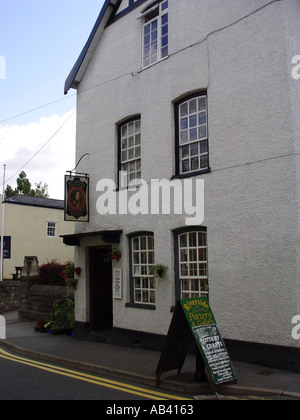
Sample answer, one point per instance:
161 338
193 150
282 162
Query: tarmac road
26 379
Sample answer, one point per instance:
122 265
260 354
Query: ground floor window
191 263
142 259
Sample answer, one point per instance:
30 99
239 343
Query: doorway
101 303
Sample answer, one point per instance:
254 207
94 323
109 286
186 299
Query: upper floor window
192 135
130 149
155 33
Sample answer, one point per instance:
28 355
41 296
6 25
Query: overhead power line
36 109
41 148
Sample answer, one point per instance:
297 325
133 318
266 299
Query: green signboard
193 321
208 338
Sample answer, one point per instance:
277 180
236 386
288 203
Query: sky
40 40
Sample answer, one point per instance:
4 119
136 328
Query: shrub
49 274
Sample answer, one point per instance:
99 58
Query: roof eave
86 54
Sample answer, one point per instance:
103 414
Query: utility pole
2 227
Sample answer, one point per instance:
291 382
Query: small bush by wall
50 274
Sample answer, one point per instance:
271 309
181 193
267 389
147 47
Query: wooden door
101 306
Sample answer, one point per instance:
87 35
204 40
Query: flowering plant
68 275
110 255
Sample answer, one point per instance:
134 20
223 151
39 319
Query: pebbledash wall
240 53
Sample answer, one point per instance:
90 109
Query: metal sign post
2 228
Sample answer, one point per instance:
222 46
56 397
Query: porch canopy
109 236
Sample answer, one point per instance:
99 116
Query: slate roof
26 200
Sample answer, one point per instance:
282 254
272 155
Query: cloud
18 145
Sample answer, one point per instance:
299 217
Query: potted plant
158 271
40 325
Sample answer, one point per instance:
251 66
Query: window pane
151 257
154 25
130 154
184 137
147 29
193 106
183 255
204 146
131 128
164 5
164 30
185 165
195 164
183 240
194 149
193 121
137 139
202 254
202 132
150 242
124 131
154 36
185 151
202 103
202 238
184 109
193 255
184 270
193 134
193 239
138 296
202 118
136 258
204 161
184 123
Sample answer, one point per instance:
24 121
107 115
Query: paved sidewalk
138 365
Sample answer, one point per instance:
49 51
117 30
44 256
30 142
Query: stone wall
37 300
9 295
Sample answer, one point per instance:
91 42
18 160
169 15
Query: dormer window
155 33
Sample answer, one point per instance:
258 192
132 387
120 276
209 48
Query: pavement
139 365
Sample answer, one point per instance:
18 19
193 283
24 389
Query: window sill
191 174
140 306
153 64
129 188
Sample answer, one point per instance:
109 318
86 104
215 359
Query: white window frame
192 260
161 51
130 149
143 258
51 229
193 146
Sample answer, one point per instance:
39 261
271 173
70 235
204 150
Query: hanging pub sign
76 198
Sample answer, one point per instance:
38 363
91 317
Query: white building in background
192 90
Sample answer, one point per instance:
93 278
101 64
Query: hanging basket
110 255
